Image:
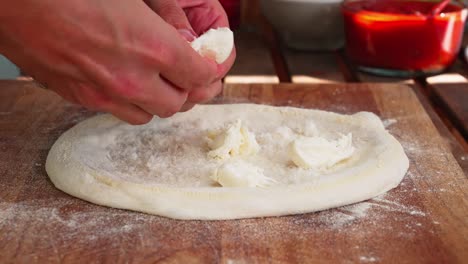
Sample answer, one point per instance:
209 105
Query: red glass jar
402 37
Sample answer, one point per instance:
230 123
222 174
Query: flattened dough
163 168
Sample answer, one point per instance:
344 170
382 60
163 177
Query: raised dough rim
77 173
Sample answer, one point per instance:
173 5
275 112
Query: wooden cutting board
424 220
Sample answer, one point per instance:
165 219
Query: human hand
119 57
192 18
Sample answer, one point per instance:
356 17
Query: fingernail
187 34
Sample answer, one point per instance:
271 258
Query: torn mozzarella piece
216 44
235 140
319 153
239 173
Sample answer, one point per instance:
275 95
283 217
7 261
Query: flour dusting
39 224
93 222
389 122
368 259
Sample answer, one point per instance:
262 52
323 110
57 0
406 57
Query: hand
119 56
192 18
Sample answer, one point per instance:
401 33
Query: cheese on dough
235 140
319 153
239 173
216 44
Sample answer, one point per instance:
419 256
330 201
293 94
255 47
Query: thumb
173 14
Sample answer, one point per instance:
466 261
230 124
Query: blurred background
7 69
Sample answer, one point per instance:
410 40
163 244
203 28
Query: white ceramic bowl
306 24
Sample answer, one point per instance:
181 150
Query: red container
402 37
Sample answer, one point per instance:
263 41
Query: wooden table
424 220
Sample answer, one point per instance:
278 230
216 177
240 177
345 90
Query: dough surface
163 167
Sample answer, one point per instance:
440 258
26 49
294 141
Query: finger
172 13
187 106
186 68
204 15
91 98
205 94
162 99
176 60
129 113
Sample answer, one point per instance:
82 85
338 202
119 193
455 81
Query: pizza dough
165 166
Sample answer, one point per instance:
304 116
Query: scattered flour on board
388 122
368 259
372 210
97 222
91 222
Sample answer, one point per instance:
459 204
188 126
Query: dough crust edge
208 203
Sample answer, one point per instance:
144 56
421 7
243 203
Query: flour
388 122
368 259
94 222
371 210
89 225
345 215
142 168
58 218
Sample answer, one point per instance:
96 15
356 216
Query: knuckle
164 54
127 89
205 94
101 101
205 77
173 107
94 101
197 84
169 111
198 96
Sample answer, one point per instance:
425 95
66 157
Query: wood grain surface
253 61
424 220
454 141
454 97
313 67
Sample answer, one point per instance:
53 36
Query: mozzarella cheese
319 153
216 44
235 140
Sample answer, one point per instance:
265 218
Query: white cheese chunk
238 173
235 140
319 153
216 44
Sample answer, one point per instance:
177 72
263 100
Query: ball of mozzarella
216 44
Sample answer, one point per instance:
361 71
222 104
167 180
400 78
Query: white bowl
306 24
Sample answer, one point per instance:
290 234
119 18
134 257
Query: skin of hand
192 18
120 57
